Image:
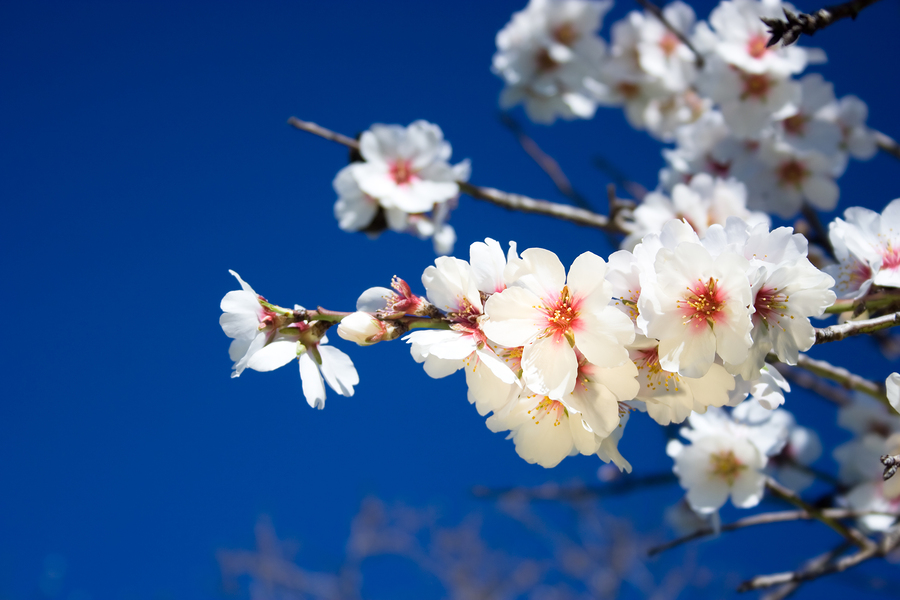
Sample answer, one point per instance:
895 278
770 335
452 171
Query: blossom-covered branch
789 30
517 202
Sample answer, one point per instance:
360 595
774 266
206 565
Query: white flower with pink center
551 314
867 246
661 53
738 37
670 397
406 168
749 101
250 321
549 56
787 289
697 306
788 178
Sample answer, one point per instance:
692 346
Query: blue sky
145 152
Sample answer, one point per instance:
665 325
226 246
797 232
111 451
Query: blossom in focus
697 306
551 315
867 247
548 55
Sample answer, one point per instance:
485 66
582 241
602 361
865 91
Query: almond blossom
551 315
867 247
549 55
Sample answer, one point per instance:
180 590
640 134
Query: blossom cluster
730 102
561 357
402 182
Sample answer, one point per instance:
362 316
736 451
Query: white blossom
867 247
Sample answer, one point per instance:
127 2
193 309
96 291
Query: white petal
275 355
311 380
338 370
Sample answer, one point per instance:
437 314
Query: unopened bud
363 329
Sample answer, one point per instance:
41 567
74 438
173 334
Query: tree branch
789 30
847 379
760 519
849 533
658 13
836 333
891 463
565 212
887 144
815 563
546 162
553 491
888 542
815 384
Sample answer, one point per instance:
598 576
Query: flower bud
362 328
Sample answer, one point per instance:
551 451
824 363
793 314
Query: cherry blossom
867 247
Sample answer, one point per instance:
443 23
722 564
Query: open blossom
548 55
726 457
264 340
892 385
806 130
786 289
551 315
867 247
697 306
788 177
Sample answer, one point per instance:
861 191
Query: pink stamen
756 45
561 316
704 304
402 172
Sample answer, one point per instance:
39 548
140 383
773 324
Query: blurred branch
841 375
658 13
815 384
887 144
553 491
564 212
836 333
761 519
878 300
888 542
636 190
546 162
789 30
815 563
849 533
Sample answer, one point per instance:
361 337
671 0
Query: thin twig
552 491
761 519
887 144
815 563
789 30
807 380
849 380
878 300
573 214
849 533
547 163
836 333
636 190
658 13
888 542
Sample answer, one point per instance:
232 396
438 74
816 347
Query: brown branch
815 384
848 380
849 533
887 544
760 519
553 491
816 563
547 163
565 212
789 30
658 13
836 333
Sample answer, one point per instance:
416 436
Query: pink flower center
769 304
402 172
756 45
547 407
792 173
718 168
704 304
656 377
890 257
561 316
669 43
755 86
